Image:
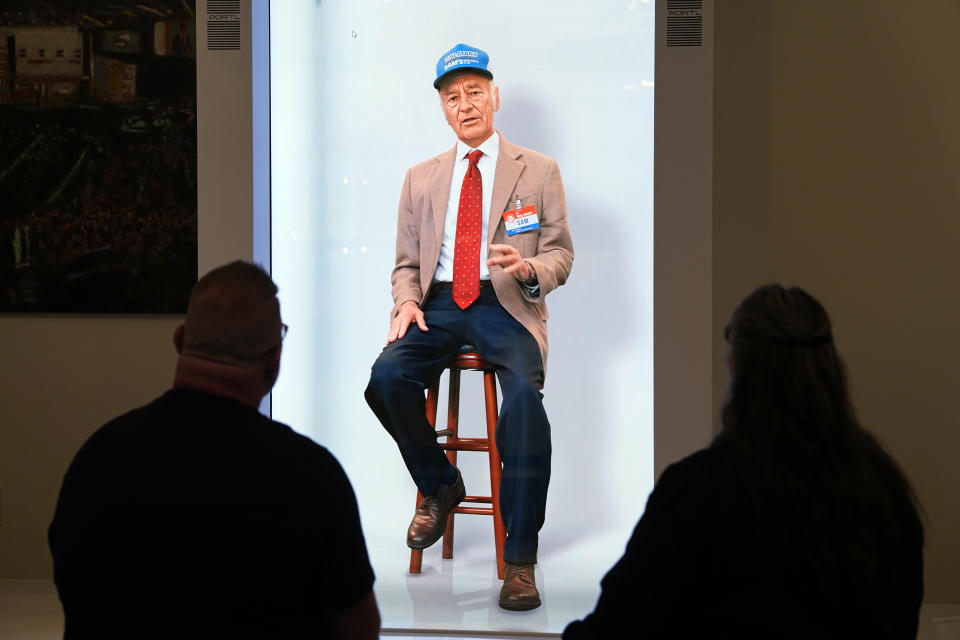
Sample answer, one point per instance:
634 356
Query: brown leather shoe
519 592
430 518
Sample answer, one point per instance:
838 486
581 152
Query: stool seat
468 359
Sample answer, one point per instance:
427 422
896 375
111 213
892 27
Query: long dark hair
818 481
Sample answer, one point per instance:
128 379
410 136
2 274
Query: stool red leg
433 394
496 466
416 555
453 423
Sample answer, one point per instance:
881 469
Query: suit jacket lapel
440 194
509 168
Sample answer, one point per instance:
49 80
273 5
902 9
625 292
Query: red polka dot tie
466 248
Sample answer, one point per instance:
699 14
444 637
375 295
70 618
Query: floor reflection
460 595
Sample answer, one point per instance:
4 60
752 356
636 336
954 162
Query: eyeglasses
283 330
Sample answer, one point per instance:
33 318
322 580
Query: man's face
469 101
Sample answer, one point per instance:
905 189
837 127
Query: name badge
520 220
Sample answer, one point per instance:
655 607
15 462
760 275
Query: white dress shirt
488 167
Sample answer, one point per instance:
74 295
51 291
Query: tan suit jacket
522 172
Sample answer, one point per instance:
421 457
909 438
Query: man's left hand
511 261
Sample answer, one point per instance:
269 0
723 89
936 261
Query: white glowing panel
352 107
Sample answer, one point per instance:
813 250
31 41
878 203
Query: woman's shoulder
707 464
699 481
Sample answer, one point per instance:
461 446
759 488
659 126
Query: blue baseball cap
462 58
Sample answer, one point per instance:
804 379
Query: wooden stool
468 360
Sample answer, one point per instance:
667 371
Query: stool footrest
464 446
481 499
477 511
445 432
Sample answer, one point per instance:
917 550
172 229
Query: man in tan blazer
482 238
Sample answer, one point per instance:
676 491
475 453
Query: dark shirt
197 515
697 566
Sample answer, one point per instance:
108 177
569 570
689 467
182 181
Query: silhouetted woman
794 523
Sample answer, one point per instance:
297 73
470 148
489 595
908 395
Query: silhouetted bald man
195 515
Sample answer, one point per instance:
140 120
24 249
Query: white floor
576 549
460 595
29 609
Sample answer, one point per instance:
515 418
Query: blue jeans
406 367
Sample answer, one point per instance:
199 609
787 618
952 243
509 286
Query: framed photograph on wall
98 178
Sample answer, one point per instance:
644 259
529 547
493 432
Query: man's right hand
409 312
